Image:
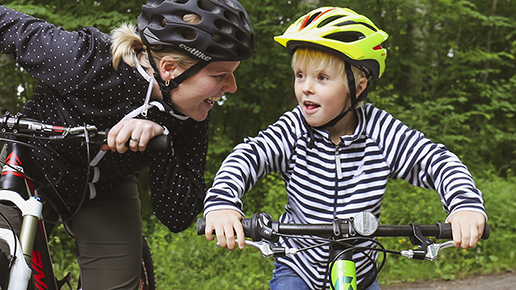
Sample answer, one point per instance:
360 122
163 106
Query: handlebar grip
201 226
445 231
247 225
160 142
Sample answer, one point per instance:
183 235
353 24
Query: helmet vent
206 5
231 17
359 23
191 18
157 21
330 19
189 34
309 20
177 1
345 36
223 26
243 20
217 38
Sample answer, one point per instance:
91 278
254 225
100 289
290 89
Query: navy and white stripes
342 180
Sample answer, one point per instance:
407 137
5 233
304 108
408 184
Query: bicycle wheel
147 281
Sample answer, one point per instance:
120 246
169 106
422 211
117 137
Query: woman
163 79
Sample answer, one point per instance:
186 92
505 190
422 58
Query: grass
187 261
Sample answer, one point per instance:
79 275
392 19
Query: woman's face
196 95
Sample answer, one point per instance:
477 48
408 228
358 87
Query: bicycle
22 184
341 235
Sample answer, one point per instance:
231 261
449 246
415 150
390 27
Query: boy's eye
323 77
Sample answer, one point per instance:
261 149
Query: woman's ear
168 68
361 86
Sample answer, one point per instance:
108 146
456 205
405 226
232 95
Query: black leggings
108 236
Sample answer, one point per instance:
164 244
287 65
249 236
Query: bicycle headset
343 32
224 33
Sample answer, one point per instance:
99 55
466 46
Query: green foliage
404 204
70 15
179 257
450 73
62 249
265 87
73 15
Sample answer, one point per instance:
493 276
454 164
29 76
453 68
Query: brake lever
432 251
264 248
267 249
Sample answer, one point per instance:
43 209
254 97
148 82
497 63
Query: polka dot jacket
79 85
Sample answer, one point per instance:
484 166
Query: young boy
335 154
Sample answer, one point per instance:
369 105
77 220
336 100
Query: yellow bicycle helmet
339 30
351 36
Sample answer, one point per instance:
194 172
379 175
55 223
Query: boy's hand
226 224
467 228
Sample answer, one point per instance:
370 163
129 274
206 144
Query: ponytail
126 44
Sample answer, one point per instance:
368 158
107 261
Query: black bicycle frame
18 157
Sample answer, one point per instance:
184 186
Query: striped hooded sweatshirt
329 180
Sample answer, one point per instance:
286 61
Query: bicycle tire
147 280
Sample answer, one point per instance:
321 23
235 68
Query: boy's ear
361 86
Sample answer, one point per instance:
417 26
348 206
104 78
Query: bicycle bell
365 223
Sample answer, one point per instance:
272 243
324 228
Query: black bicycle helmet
224 32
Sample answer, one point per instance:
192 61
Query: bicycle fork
31 210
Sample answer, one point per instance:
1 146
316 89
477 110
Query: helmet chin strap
354 103
352 94
167 86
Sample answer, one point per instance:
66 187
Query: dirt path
502 281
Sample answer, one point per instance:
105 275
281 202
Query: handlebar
264 232
261 226
16 125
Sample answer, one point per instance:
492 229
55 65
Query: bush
188 261
402 205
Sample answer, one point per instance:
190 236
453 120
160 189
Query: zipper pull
144 111
337 163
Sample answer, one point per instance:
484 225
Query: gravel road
502 281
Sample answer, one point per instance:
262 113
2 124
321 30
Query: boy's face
322 95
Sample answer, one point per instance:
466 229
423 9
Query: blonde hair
126 44
319 59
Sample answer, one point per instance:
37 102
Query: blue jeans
284 278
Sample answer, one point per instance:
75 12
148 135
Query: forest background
450 73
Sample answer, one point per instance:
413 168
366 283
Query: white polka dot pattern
78 85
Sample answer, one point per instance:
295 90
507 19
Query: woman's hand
467 228
226 224
133 132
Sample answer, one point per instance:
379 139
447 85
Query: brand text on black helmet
195 52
